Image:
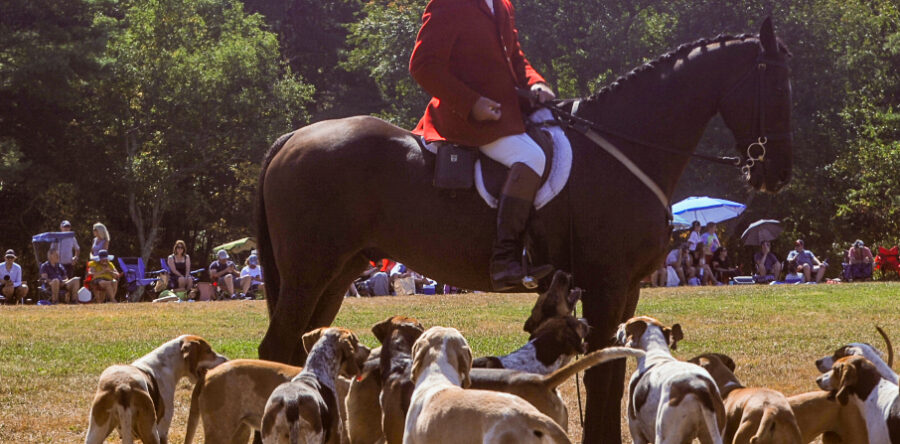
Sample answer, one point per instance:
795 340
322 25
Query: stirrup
533 274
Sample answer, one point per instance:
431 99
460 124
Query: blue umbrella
680 223
707 209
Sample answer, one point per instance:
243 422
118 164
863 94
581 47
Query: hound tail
194 414
766 427
264 241
556 378
887 343
123 396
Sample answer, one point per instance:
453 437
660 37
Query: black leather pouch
454 168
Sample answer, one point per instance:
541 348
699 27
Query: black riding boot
513 211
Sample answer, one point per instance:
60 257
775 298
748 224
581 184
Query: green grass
50 357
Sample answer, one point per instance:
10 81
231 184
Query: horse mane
681 51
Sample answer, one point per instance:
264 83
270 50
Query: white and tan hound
670 401
442 411
139 398
854 379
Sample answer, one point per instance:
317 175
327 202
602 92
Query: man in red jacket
467 56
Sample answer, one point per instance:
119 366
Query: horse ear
767 36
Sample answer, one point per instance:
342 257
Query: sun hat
103 254
222 254
10 254
253 259
859 243
65 223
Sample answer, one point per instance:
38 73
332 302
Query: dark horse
335 194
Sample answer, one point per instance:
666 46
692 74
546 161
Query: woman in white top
694 238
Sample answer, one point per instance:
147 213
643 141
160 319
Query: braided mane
681 51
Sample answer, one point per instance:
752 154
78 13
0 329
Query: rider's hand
543 92
485 109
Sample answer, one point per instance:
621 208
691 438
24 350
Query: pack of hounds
423 386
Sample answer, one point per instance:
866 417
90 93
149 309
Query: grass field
50 357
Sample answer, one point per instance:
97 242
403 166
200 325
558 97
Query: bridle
757 142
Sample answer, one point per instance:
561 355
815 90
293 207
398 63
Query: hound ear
767 36
419 350
190 352
848 381
349 348
310 338
464 365
634 331
676 336
381 329
727 361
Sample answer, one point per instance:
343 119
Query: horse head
757 110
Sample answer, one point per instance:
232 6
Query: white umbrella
707 209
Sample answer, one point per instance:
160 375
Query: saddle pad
560 168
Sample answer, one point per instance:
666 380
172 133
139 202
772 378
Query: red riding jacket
462 52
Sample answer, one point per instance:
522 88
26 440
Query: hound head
442 345
632 332
198 356
850 375
408 328
351 353
558 300
563 336
720 367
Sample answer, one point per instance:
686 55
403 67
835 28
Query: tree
195 89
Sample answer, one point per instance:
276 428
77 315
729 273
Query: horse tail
263 240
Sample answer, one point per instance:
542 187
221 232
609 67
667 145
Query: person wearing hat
68 250
104 278
861 261
805 262
12 288
251 275
223 271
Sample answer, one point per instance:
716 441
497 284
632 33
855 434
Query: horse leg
302 285
330 301
605 383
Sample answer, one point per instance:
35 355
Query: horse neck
670 105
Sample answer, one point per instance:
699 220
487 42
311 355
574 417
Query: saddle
460 168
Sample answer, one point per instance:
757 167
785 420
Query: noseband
757 143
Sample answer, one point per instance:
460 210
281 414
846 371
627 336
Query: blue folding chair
135 276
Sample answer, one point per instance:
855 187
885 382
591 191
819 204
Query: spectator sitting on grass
53 274
675 259
104 278
721 266
374 281
252 273
224 273
12 288
806 263
767 264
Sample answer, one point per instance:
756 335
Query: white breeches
517 148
